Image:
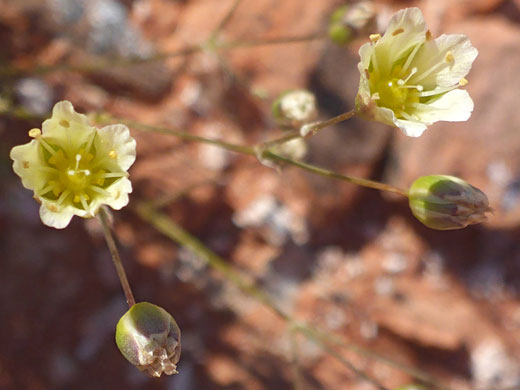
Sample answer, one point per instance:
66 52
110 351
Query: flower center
75 178
394 92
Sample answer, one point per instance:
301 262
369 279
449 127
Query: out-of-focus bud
295 149
149 338
444 202
294 108
350 20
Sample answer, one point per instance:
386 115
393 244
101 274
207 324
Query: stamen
412 72
429 71
59 157
374 37
407 116
35 133
100 190
90 141
113 174
63 196
46 146
438 91
417 87
44 190
47 169
84 203
463 82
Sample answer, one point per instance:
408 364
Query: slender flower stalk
313 128
103 218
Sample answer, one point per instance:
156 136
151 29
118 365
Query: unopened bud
350 20
446 202
149 338
294 108
295 149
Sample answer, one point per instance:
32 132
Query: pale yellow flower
74 168
410 80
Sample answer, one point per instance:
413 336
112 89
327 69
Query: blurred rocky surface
340 257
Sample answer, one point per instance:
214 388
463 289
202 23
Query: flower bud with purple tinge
150 339
444 202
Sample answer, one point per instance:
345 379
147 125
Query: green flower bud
446 202
339 32
294 108
149 338
350 20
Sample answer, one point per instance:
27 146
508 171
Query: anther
112 154
374 37
449 57
35 133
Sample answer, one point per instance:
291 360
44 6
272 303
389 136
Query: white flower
409 80
74 168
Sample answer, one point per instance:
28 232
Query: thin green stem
316 337
271 41
298 380
100 64
170 229
327 173
278 141
266 154
225 20
313 128
103 218
186 136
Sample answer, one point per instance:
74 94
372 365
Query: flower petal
410 128
365 53
117 138
411 20
119 191
453 56
406 30
454 106
66 127
26 158
57 219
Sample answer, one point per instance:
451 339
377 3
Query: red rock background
347 259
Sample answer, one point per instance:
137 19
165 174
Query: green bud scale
444 202
150 339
